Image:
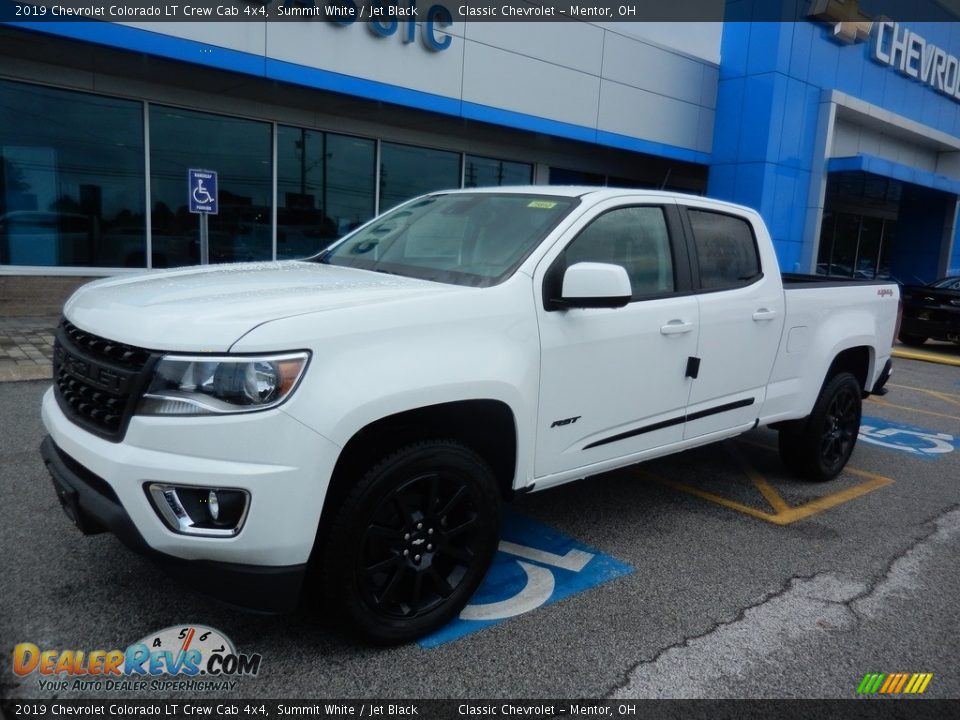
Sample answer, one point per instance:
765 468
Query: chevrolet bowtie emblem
849 24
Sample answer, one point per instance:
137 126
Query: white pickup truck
357 418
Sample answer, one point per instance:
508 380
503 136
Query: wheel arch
857 361
487 426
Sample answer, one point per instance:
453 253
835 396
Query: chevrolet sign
909 54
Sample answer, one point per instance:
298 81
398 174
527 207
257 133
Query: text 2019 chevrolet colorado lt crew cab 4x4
359 417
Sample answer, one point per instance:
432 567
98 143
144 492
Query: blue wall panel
769 47
824 59
768 104
734 46
722 182
800 50
729 115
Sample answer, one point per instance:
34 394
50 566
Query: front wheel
819 447
413 541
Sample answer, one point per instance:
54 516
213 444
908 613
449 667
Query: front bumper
93 507
284 467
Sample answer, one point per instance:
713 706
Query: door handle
676 327
764 314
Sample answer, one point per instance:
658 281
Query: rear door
741 307
613 381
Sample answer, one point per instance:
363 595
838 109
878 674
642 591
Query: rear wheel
819 447
915 340
413 541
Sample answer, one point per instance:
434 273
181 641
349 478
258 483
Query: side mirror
594 285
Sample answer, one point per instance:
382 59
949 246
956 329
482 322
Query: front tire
819 447
413 541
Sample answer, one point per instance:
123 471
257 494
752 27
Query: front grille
98 381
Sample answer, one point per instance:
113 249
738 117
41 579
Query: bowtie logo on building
849 24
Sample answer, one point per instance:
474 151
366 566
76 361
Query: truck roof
594 192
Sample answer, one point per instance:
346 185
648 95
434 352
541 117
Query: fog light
214 512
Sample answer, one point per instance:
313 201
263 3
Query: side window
726 249
633 237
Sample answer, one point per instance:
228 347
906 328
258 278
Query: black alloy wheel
820 446
413 541
419 545
840 427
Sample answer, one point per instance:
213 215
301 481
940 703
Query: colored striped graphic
894 683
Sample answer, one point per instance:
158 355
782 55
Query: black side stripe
672 421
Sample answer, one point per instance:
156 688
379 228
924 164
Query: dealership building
844 135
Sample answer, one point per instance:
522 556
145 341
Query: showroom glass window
488 172
325 188
71 179
240 152
407 171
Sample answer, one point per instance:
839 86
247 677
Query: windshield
474 239
950 283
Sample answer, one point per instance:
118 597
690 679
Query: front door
613 381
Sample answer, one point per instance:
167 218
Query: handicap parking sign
202 191
909 439
535 565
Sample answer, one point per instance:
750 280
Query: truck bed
799 280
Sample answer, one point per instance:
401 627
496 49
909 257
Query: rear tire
913 340
412 541
819 447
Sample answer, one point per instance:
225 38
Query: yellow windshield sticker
542 204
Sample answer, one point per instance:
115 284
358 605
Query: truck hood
207 309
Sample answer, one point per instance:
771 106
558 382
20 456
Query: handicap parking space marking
535 565
915 441
783 513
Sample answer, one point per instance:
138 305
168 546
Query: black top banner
451 12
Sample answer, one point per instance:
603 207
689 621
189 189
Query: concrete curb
926 356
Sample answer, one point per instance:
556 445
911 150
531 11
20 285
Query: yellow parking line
838 498
778 504
927 357
719 500
884 403
911 387
953 397
784 514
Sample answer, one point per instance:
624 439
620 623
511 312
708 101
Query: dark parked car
931 311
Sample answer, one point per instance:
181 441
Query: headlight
200 385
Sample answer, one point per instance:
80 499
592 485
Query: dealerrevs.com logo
181 657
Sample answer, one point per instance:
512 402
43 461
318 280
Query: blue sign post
202 199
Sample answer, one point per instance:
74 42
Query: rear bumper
94 507
879 386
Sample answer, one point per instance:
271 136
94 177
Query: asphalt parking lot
710 574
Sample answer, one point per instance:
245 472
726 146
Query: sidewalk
26 348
